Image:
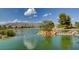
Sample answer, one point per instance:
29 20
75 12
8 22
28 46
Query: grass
6 33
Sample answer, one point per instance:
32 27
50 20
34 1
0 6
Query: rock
46 33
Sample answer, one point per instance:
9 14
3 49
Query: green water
26 39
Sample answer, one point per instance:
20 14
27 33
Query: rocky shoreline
46 33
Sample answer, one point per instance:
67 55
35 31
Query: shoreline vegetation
7 33
64 22
47 27
10 32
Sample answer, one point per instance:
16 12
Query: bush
47 25
10 33
3 32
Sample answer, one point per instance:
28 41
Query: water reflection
66 42
46 42
30 43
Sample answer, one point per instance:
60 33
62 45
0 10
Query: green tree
59 26
47 25
65 21
77 24
9 26
10 33
0 27
3 26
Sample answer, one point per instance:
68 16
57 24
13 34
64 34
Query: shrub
10 33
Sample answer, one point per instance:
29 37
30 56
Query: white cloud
15 20
25 21
18 21
30 11
2 23
47 14
35 15
50 13
38 21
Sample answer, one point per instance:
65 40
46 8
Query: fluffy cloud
50 13
38 21
30 11
4 22
1 23
35 15
16 20
47 14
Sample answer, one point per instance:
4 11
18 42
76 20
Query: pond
26 39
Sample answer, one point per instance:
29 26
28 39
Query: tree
11 33
3 27
47 25
9 26
77 24
0 27
59 26
65 21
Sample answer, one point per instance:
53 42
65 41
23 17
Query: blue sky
36 14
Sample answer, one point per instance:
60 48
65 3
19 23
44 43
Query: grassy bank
6 33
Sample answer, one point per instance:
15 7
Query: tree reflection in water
66 42
30 43
46 43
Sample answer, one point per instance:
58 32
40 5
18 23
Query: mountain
24 24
